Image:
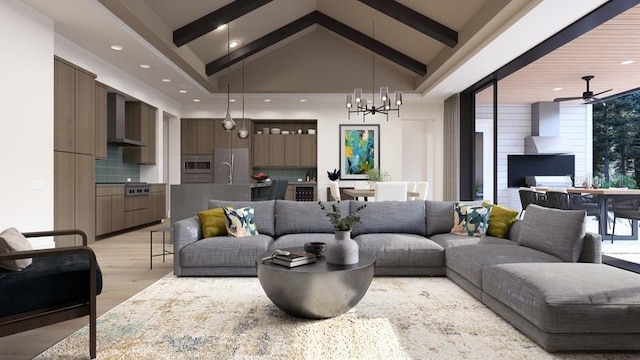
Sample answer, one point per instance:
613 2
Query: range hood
116 134
545 130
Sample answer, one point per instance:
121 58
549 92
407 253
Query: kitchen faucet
230 165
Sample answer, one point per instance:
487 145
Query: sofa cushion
568 297
298 240
49 281
448 240
12 240
240 222
212 222
556 232
400 250
439 216
469 261
500 220
402 217
296 217
264 212
471 220
225 251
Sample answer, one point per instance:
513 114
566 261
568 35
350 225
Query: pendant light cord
373 64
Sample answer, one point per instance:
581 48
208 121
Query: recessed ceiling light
626 62
182 91
116 47
267 100
145 66
221 27
232 100
196 100
234 43
166 80
557 89
303 100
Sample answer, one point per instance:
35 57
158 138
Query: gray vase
342 249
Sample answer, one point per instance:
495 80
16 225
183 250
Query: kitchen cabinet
261 150
277 150
109 209
140 125
205 134
74 196
136 210
290 193
101 121
158 202
308 150
189 136
291 150
74 109
74 151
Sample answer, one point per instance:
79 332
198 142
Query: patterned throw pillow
471 220
240 222
213 222
500 220
12 240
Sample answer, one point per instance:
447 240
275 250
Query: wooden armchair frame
42 317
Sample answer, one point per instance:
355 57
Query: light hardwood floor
124 261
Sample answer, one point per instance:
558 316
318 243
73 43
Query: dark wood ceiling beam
211 21
261 43
371 44
415 20
327 22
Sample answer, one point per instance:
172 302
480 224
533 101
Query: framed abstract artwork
359 150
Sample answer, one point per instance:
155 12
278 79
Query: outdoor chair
626 208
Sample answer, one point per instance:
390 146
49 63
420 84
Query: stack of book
294 258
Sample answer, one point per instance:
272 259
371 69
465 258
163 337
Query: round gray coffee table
319 290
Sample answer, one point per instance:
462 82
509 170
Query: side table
164 252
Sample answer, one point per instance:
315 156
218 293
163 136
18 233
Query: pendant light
243 133
228 124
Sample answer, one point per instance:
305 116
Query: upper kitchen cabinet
101 121
308 150
202 136
74 109
292 147
140 125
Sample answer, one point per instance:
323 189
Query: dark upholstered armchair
60 284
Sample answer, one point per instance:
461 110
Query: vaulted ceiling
297 46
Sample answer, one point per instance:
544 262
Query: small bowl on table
316 248
260 178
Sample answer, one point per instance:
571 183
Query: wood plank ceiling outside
392 9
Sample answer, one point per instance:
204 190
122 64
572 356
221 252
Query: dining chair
412 187
530 196
391 191
334 189
558 200
626 208
422 188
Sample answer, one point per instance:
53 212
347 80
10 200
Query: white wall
26 99
331 113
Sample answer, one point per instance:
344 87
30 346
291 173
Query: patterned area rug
231 318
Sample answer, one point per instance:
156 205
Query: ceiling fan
588 96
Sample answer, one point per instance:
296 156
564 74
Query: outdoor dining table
604 195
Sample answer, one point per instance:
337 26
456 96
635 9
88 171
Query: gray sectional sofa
545 277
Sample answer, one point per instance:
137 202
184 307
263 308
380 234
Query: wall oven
197 169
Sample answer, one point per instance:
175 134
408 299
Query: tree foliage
616 130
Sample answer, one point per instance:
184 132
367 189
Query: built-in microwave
197 164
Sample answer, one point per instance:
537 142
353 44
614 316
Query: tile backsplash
113 170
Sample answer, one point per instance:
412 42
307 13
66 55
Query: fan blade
567 98
602 92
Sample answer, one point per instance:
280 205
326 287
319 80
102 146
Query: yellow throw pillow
500 220
213 222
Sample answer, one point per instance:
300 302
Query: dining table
367 193
604 196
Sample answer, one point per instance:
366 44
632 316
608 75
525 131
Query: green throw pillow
212 222
240 222
471 220
500 220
